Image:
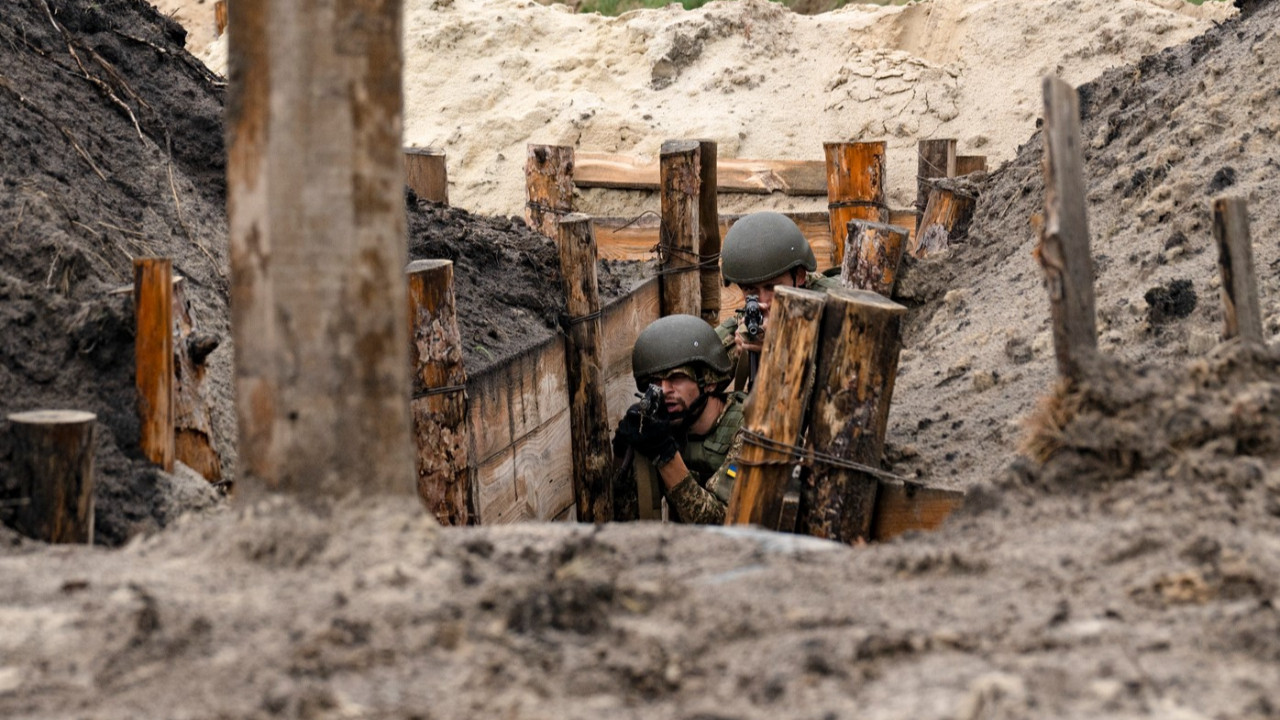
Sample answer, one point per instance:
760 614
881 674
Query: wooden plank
901 507
1241 315
629 172
681 177
153 358
1063 252
529 480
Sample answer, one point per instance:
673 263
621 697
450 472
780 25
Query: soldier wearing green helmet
763 251
675 442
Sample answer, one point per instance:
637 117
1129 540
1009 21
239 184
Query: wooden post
968 164
949 210
681 288
548 178
584 358
1242 318
192 418
153 353
709 237
315 195
857 364
53 468
779 403
220 16
427 174
875 251
936 159
855 189
439 405
1063 252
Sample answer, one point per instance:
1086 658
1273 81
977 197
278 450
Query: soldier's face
679 391
764 290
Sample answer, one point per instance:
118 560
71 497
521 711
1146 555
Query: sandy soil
1116 558
486 77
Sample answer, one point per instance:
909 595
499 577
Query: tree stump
439 405
584 357
858 352
875 252
548 177
53 466
945 218
427 174
774 417
681 173
1241 315
1063 252
855 189
153 353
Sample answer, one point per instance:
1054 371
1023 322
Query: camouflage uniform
703 495
729 327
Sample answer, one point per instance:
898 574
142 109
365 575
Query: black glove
648 436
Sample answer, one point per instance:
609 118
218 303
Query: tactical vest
702 455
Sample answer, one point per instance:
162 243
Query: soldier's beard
690 414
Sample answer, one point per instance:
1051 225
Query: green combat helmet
677 341
762 246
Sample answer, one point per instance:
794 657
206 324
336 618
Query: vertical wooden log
709 238
439 406
1063 252
855 189
584 357
681 288
192 419
774 416
53 468
220 16
315 193
548 178
949 210
968 164
936 159
857 365
427 174
875 252
153 353
1242 316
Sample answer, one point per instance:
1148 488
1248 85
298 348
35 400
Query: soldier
763 251
677 447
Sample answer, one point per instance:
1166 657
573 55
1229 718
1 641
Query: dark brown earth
85 190
1117 556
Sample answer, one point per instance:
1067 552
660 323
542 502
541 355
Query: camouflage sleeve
707 505
726 330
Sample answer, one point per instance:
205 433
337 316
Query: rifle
753 329
653 406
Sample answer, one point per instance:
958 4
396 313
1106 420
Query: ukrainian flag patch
732 471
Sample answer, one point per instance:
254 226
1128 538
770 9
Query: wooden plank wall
628 239
519 417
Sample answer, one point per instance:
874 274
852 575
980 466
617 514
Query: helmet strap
690 415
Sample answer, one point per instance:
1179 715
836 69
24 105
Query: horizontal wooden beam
902 507
628 172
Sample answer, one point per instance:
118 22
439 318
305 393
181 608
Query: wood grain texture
153 355
1063 252
777 408
627 172
439 406
426 172
549 183
1242 316
874 253
935 158
905 507
678 232
855 189
52 469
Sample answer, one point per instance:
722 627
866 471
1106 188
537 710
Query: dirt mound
1162 139
114 150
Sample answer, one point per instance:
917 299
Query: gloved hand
648 436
